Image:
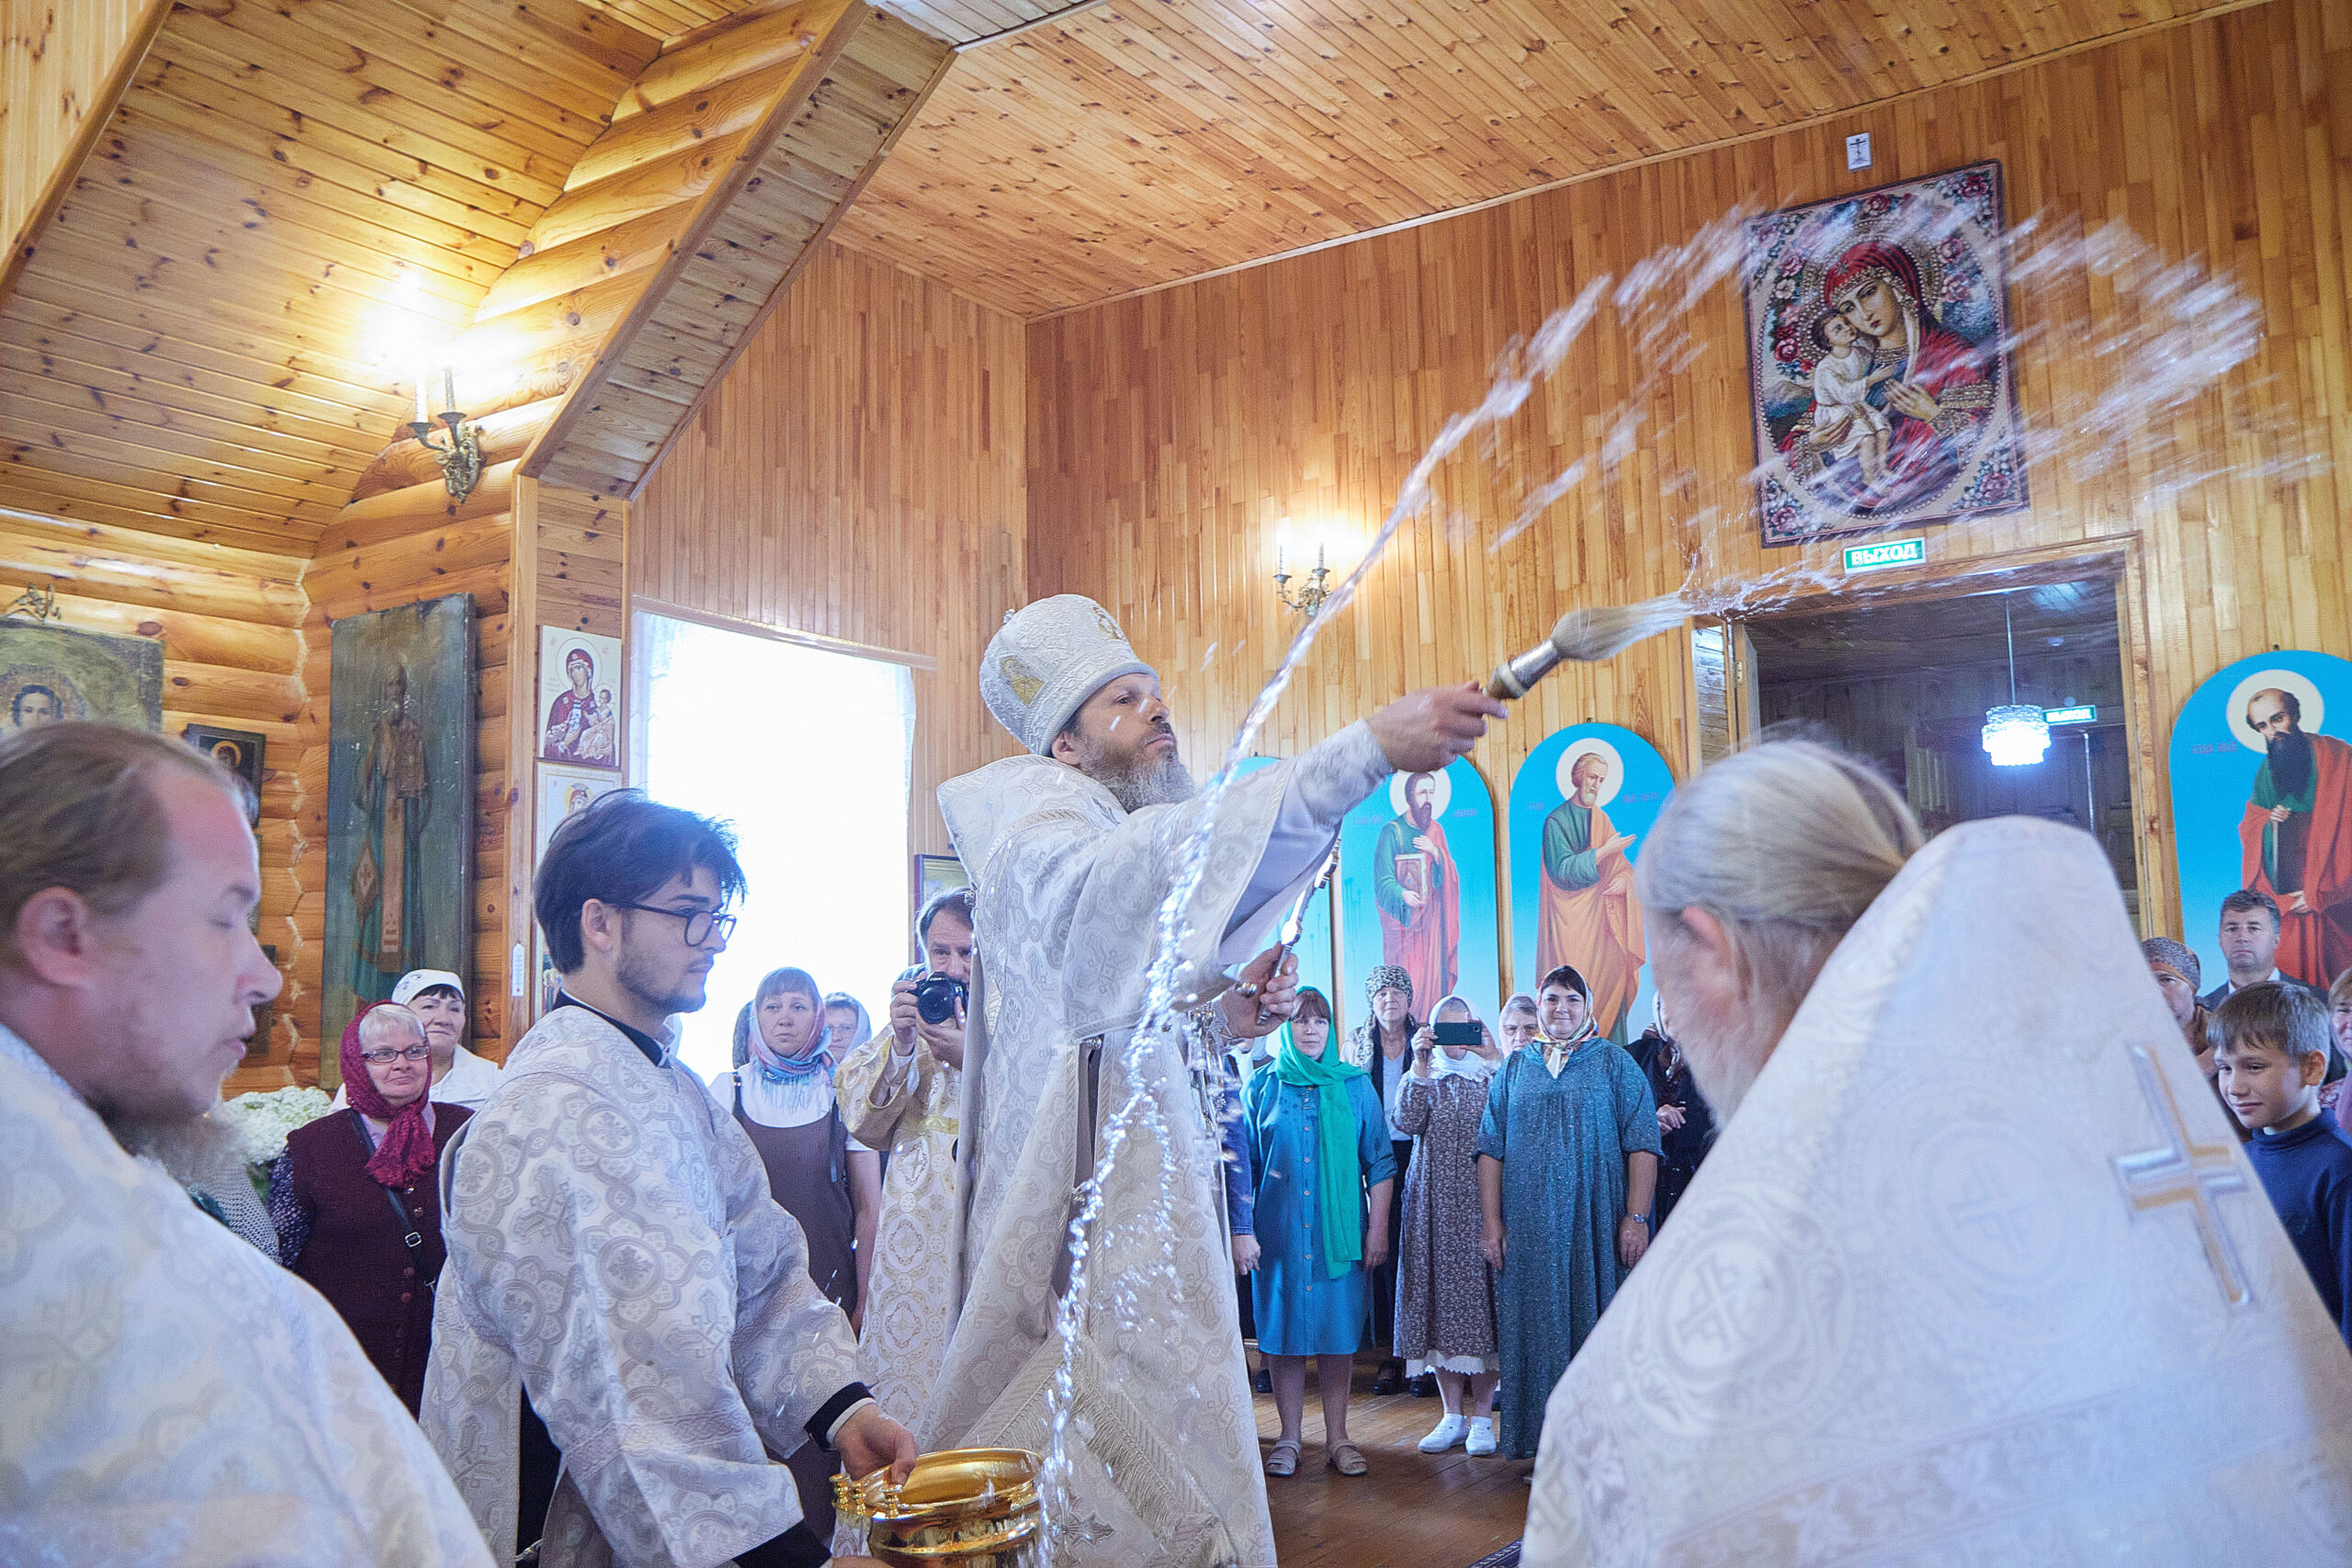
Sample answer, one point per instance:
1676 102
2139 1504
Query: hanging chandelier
2016 734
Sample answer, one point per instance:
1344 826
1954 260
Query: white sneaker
1444 1435
1481 1440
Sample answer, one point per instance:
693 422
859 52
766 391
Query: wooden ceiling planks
210 336
715 195
1137 145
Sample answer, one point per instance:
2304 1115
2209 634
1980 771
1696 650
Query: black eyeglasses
701 924
406 1053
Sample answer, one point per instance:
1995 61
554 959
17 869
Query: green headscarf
1339 1191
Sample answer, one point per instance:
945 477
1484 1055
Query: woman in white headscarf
1974 1274
1445 1308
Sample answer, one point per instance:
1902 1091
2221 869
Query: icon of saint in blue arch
2262 798
1583 802
1417 889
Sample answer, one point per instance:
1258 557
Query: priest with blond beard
1114 905
1974 1274
167 1394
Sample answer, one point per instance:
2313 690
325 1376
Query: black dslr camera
938 996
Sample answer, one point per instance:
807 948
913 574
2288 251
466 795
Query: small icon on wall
1858 151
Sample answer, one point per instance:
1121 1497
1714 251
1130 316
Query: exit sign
2086 714
1886 552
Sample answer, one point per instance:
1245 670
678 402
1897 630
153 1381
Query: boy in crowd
2272 1050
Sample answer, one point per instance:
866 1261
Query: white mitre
1976 1275
1046 659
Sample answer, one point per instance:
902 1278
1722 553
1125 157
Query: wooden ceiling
1147 141
1909 637
217 332
959 22
214 334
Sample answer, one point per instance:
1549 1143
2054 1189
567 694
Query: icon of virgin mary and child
1899 397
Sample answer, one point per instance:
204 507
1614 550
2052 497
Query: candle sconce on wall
460 459
1309 599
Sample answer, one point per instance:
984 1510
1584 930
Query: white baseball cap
417 980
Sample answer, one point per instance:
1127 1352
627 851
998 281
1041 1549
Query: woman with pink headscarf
356 1201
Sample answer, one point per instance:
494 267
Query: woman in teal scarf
1319 1146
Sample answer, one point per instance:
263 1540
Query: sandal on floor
1346 1457
1282 1459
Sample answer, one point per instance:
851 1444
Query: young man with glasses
626 1308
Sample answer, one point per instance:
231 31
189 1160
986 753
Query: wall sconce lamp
1309 599
461 458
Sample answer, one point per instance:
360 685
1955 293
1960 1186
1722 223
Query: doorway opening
806 753
1909 683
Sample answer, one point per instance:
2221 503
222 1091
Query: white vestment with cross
1975 1275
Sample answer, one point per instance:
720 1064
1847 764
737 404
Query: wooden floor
1414 1510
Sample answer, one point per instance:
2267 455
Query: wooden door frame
2117 557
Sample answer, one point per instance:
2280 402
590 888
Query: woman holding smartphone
1445 1315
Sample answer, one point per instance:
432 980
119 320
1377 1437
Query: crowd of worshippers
1460 1198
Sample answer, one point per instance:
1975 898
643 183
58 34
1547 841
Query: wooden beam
23 243
751 330
833 36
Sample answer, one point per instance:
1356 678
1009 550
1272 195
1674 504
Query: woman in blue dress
1567 1165
1319 1143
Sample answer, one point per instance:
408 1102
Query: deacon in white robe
168 1394
614 1249
612 1243
171 1396
1074 850
1974 1274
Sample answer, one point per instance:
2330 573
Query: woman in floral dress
1445 1308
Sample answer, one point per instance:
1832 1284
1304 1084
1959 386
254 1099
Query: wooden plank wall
230 622
570 571
859 475
56 56
1169 434
358 568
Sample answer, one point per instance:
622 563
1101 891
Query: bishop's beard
1419 816
2291 763
1138 782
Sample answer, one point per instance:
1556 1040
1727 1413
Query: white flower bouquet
262 1121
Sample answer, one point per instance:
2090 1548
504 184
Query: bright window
806 752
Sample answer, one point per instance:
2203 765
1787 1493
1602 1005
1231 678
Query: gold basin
961 1508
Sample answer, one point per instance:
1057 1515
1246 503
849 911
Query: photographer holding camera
900 1092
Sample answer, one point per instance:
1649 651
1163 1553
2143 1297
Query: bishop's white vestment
614 1247
170 1396
1975 1276
907 1105
1069 889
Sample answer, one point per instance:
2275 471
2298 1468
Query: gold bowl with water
961 1508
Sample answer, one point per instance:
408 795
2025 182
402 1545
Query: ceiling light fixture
2016 734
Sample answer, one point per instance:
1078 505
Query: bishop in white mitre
1975 1274
1075 851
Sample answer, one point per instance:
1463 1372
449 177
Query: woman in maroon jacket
355 1202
